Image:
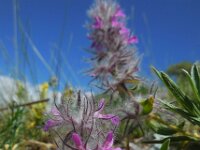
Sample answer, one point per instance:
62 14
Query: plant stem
27 104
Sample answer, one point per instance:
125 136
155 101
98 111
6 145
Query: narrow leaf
194 88
182 112
157 73
180 95
172 139
165 145
196 77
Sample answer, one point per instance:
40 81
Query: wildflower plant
83 126
185 106
114 61
82 123
115 64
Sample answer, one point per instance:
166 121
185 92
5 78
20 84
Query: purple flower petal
115 120
98 23
77 141
51 123
106 117
101 105
115 19
133 39
124 31
119 13
55 111
108 143
116 24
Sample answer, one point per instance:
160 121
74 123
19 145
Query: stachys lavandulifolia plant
81 125
114 60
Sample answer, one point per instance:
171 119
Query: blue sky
168 32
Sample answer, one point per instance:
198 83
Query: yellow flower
44 86
43 90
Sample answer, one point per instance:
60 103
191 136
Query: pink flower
78 142
107 144
115 19
127 36
57 119
55 111
123 31
119 13
51 123
117 24
98 23
114 119
133 39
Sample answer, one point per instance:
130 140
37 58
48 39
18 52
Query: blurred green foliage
187 106
11 126
22 123
176 69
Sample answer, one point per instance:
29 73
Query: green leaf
193 85
174 89
172 139
157 73
181 98
165 145
147 105
160 128
193 119
196 77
